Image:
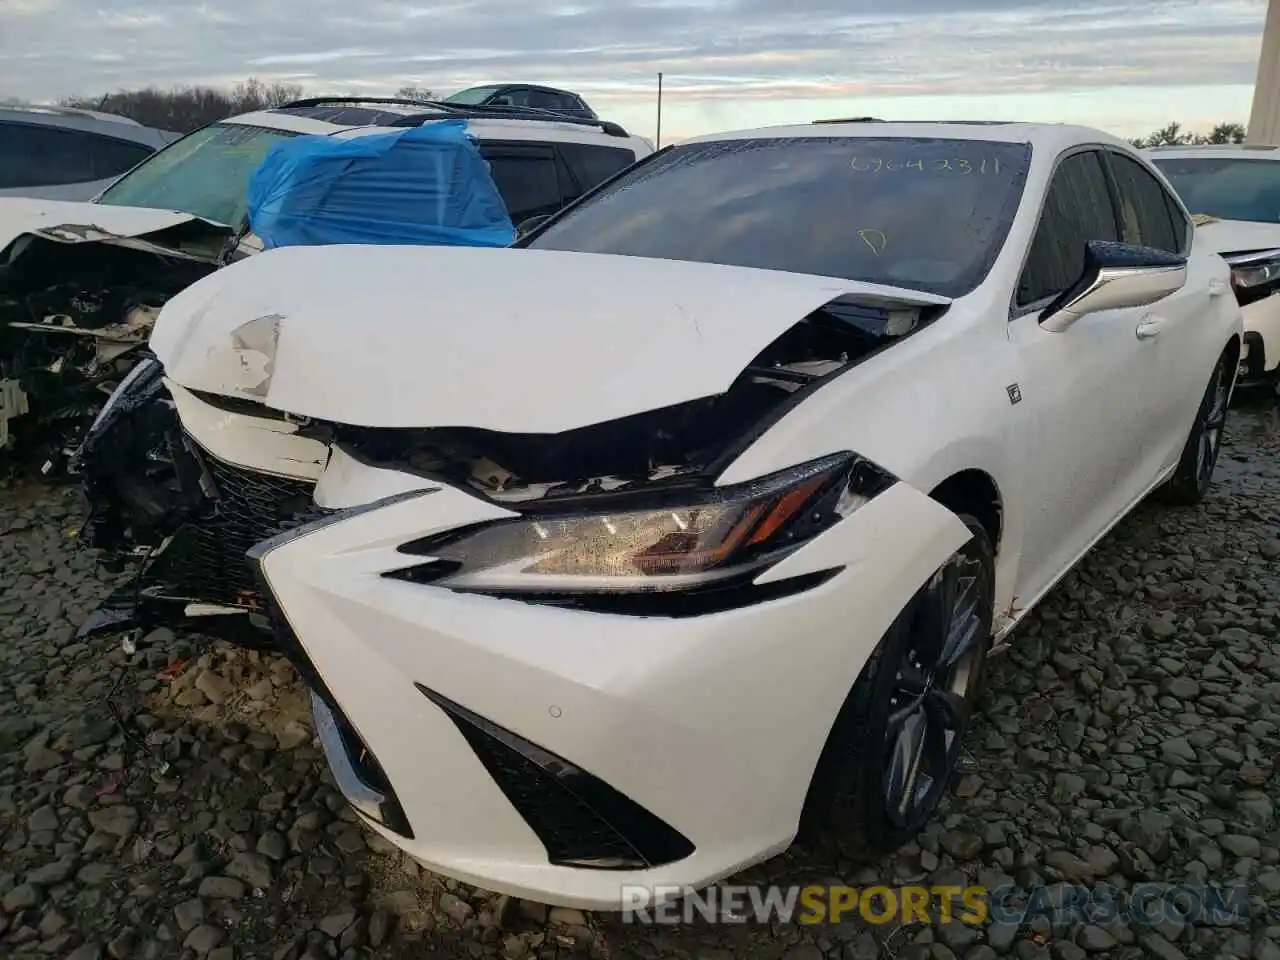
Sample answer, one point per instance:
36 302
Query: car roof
88 121
1052 137
358 118
1211 151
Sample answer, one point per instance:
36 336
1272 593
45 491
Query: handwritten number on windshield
960 165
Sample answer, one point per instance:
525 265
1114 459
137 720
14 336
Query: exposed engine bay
76 309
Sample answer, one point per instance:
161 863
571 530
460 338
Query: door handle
1148 327
1217 288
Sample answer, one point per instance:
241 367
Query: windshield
472 96
1226 187
925 214
206 173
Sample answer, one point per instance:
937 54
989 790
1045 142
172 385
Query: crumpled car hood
64 221
524 341
1235 236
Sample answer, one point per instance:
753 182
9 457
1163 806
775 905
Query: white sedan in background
628 556
1234 193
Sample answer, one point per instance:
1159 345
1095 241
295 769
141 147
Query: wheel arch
974 491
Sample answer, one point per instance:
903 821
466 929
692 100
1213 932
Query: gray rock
87 951
336 923
222 888
22 897
214 686
1157 946
46 818
119 821
203 939
456 909
189 914
1240 845
1095 939
1178 750
961 844
253 868
273 846
380 925
52 873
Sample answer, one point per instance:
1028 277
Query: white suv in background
65 154
1234 193
540 162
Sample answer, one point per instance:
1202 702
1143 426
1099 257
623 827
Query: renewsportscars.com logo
1142 904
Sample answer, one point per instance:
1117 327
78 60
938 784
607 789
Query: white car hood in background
1235 236
524 341
67 221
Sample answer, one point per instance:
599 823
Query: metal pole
659 137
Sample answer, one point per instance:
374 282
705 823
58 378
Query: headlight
1254 274
676 544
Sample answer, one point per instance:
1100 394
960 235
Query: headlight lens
717 535
1256 275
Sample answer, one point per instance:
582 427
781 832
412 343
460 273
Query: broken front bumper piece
185 515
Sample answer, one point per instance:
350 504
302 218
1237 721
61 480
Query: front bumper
519 742
1260 361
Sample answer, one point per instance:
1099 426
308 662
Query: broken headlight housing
681 542
1254 275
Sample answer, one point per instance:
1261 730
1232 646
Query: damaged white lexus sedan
629 555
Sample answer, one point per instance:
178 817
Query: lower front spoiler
127 612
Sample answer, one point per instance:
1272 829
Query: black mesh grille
206 560
581 820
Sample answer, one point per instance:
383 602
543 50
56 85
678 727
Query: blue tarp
423 185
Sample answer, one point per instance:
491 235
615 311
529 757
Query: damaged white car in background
721 484
1234 193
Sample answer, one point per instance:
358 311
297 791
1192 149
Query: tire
1194 473
848 811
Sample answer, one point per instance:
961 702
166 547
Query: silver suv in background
57 153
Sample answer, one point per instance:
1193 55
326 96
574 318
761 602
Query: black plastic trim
719 597
614 832
1257 360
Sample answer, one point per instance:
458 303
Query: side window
1144 206
40 156
527 179
1178 219
1077 209
112 157
592 165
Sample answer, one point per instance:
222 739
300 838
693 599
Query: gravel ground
172 804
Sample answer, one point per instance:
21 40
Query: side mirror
527 227
1116 276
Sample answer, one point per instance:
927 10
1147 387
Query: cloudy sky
1126 65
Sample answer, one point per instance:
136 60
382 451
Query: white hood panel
1234 236
523 341
68 221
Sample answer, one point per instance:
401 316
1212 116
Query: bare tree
183 109
410 92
